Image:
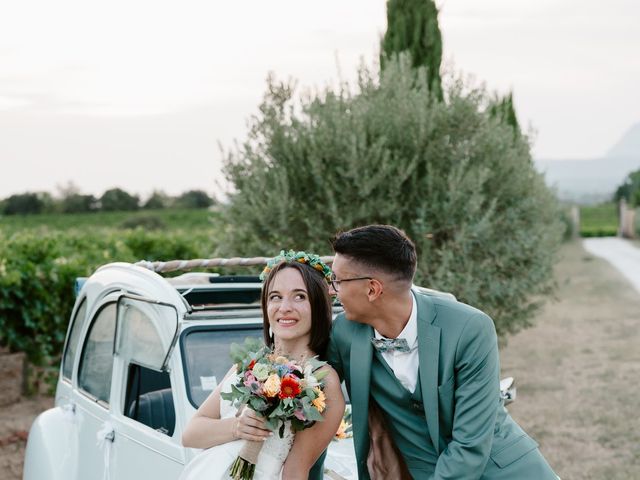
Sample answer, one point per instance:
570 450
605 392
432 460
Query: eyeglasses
336 283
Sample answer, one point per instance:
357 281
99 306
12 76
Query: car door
143 410
93 393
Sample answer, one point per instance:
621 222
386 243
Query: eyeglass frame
335 283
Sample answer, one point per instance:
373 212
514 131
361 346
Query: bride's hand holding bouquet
281 391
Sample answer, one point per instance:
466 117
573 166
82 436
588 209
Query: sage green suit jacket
459 373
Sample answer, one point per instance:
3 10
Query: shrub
23 204
455 179
116 199
194 199
38 271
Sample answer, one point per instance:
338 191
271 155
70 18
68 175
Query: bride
296 309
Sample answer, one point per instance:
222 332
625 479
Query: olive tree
449 173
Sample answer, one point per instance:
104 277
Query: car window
205 354
149 399
138 338
72 341
96 362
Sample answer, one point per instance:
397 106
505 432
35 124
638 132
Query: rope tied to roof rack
175 265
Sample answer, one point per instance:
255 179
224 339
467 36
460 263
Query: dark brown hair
382 247
319 300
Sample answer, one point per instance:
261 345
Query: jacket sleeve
476 400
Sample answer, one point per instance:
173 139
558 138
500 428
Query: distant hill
594 180
629 145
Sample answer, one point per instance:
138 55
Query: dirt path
577 372
621 254
15 421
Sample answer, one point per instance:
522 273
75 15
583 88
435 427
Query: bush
116 199
78 203
23 204
157 200
605 231
38 271
194 199
456 180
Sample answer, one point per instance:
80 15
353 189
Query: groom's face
352 294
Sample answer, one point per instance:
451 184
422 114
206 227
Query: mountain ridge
594 179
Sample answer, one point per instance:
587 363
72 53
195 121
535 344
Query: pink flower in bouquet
251 382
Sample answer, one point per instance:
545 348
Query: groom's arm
476 397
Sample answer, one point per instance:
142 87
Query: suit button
417 406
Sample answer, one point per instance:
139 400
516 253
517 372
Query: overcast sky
138 93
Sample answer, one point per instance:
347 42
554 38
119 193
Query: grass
599 220
162 219
577 372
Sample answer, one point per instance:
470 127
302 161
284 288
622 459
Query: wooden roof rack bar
174 265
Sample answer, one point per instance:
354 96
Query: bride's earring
270 334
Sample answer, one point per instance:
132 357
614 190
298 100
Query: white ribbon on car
69 413
105 438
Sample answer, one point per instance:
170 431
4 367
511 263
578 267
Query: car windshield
205 352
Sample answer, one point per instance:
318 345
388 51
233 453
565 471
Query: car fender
52 446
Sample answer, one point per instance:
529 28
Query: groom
424 369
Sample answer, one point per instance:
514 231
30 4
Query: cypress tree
503 110
412 25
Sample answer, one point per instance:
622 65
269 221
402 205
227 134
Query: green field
599 220
166 219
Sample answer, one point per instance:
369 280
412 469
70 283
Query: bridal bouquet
280 390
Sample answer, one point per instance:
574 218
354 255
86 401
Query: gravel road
620 253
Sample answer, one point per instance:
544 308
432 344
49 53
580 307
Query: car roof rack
174 265
208 291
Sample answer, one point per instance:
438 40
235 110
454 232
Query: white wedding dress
214 463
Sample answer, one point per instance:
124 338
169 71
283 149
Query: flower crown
302 257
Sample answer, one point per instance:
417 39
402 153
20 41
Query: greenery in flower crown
302 257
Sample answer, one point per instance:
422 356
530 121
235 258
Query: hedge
38 269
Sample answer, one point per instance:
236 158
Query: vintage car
142 353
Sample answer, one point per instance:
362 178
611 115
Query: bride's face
288 307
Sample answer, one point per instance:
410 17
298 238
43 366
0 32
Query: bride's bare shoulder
331 378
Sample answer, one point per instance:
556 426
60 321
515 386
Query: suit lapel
429 354
360 365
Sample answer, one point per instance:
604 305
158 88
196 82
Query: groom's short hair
381 247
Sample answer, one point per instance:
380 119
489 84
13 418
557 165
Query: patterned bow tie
388 345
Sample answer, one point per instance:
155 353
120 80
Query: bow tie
388 345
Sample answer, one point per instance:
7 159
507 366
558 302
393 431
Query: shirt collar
410 330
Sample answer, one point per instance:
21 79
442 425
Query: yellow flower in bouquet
319 401
342 430
271 386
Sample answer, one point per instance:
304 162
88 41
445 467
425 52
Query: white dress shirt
405 365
